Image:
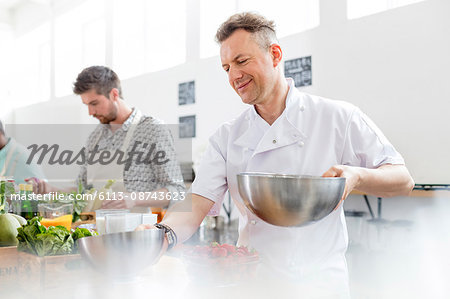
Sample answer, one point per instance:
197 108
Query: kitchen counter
167 279
170 277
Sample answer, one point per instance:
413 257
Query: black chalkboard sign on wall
186 93
299 69
187 126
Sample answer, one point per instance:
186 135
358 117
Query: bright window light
148 36
44 70
128 38
6 52
93 33
212 15
165 28
79 43
290 16
361 8
32 60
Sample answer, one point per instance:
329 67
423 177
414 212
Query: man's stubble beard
112 116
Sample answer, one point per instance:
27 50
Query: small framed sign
187 126
186 93
299 69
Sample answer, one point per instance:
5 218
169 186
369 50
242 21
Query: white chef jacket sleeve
365 145
211 178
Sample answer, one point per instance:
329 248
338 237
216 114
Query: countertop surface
170 277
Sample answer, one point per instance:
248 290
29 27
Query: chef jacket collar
288 119
292 93
248 139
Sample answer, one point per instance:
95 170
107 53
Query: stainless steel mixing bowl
289 200
122 255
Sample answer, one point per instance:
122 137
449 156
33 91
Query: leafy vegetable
27 235
8 230
81 233
56 240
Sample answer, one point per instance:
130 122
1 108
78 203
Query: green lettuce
36 239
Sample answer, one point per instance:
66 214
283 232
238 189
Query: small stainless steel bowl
122 255
289 200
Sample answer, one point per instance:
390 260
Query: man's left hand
351 175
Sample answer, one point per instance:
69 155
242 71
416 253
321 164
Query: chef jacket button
302 108
274 141
253 222
295 135
246 149
301 144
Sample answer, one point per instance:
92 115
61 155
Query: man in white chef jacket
126 130
286 131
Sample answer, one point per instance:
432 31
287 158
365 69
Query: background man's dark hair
100 78
263 30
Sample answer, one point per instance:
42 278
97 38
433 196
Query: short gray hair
262 29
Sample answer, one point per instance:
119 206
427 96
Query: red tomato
230 248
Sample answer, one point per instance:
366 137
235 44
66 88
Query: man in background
124 129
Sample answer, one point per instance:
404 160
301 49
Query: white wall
216 102
394 65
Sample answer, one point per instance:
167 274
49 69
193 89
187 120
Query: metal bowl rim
287 176
112 235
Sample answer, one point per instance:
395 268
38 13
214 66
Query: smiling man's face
250 69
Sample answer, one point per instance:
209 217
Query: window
148 36
361 8
290 16
79 43
30 74
128 38
165 34
93 33
44 71
6 50
212 15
